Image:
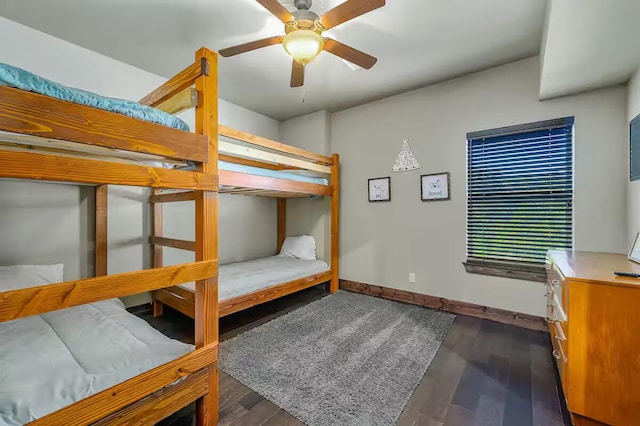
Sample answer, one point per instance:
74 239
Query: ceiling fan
303 38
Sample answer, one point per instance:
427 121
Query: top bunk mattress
52 360
289 175
236 279
21 79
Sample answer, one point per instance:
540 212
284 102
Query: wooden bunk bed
266 169
50 139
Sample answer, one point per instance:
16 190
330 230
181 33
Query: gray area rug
346 359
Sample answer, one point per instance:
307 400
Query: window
519 197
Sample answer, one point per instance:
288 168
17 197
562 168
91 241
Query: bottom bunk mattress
52 360
236 279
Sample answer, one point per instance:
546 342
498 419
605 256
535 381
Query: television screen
635 148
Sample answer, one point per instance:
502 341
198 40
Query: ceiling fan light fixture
303 45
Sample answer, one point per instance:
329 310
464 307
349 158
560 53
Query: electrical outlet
412 277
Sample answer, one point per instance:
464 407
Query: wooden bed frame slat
102 199
170 297
248 162
161 404
244 180
165 297
157 255
177 84
188 295
171 242
236 304
335 223
117 397
16 304
276 146
184 100
282 223
25 165
172 197
256 154
30 143
39 115
261 193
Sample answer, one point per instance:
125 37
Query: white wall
46 223
42 223
381 243
633 188
310 216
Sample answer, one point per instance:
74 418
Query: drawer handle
556 354
555 283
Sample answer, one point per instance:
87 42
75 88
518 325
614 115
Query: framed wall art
379 189
435 187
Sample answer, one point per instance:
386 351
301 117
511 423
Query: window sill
513 270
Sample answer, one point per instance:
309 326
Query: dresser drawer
555 311
559 352
556 283
554 275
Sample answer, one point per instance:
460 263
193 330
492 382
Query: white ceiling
417 42
589 44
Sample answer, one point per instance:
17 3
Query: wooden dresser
594 321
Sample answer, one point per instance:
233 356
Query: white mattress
50 361
236 279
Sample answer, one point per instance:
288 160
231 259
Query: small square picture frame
435 187
634 251
379 189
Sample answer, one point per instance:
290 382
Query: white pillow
23 276
300 247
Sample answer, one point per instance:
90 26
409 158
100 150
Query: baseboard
531 322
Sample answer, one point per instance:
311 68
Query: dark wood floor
485 373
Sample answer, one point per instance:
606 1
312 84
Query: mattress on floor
52 360
21 79
236 279
290 175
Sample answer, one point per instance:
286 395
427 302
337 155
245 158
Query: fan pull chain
304 88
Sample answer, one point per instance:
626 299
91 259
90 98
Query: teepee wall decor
406 160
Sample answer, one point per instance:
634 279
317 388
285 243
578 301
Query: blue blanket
234 167
21 79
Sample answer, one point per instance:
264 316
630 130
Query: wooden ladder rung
172 242
172 197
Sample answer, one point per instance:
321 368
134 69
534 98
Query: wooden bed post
282 221
156 250
206 210
335 225
101 258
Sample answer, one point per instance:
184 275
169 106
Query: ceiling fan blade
297 75
276 8
349 53
253 45
348 10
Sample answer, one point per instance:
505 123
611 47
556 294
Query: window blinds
520 191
